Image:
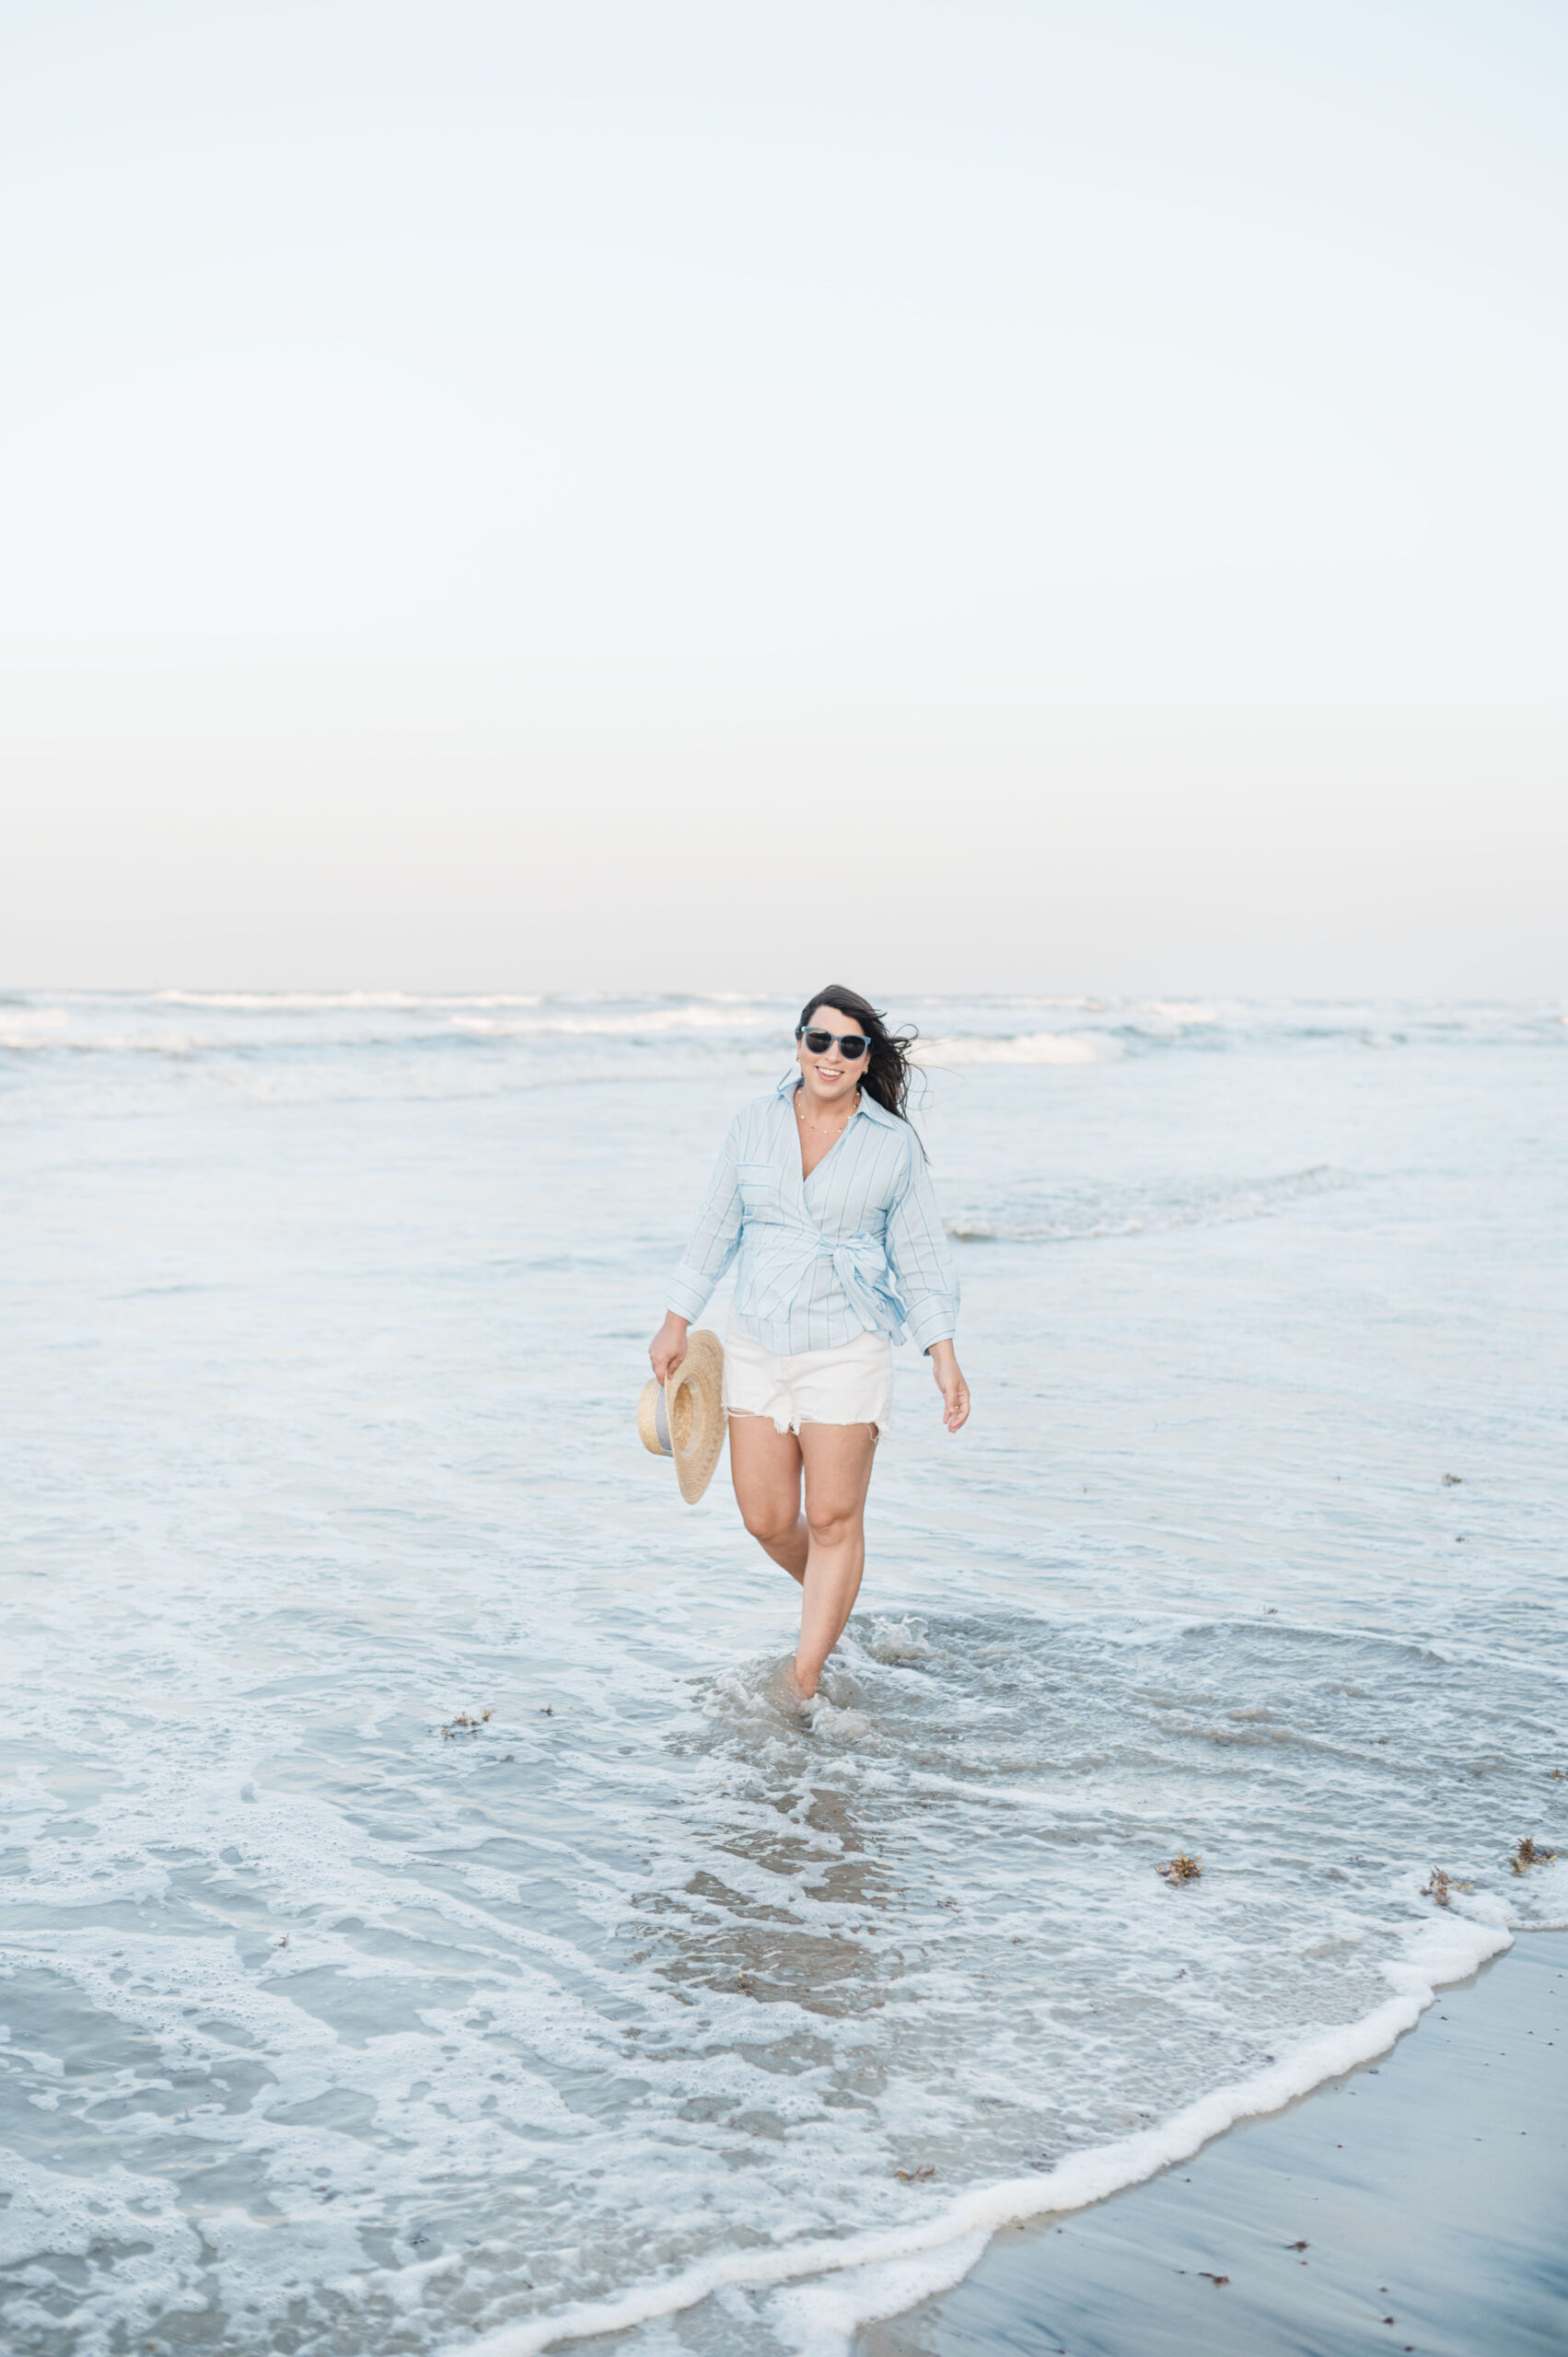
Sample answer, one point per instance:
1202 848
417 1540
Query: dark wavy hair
887 1068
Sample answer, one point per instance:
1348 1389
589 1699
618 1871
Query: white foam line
1018 1048
1442 1953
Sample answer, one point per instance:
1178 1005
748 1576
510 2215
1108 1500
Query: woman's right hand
669 1346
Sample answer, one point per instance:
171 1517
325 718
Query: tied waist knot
860 1263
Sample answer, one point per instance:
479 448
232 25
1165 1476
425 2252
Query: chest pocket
760 1189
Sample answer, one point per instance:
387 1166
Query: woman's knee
771 1520
831 1524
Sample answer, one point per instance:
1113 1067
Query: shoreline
1427 2187
870 2291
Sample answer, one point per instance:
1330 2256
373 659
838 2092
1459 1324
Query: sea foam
425 1922
867 2277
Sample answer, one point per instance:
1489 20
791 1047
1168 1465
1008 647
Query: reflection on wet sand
800 1944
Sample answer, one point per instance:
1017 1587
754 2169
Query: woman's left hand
950 1383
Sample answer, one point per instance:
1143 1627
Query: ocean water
422 1929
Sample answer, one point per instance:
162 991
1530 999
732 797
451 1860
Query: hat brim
693 1403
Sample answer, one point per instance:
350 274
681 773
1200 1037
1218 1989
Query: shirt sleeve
714 1243
919 1258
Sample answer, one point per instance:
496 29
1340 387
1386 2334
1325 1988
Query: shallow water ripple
421 1913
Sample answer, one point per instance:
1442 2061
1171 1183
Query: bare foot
788 1693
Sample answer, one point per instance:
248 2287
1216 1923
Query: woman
822 1193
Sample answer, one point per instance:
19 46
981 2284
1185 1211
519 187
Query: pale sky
969 495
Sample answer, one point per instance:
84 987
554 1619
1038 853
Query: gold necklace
816 1126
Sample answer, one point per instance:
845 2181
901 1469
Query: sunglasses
850 1043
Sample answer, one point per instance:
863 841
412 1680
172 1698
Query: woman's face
831 1078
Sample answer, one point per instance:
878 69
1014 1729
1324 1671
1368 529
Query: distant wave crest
1020 1048
1210 1205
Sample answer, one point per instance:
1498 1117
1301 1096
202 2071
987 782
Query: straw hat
686 1420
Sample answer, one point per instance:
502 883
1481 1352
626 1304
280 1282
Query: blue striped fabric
858 1248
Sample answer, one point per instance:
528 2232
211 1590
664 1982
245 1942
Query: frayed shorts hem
756 1416
851 1385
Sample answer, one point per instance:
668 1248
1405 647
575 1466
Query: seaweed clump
1442 1886
1181 1868
1529 1854
464 1724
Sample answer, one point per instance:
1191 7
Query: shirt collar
868 1104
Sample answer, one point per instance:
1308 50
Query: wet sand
1430 2190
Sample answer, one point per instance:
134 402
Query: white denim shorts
851 1385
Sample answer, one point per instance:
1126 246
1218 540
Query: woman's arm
950 1383
712 1247
669 1346
918 1256
923 1271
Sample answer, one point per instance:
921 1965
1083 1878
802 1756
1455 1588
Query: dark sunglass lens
819 1042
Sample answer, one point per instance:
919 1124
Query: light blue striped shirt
858 1248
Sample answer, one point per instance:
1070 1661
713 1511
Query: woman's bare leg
764 1465
838 1459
